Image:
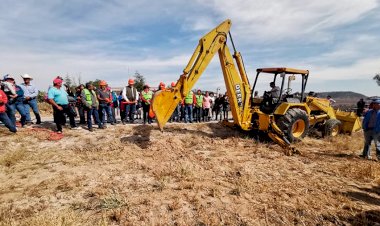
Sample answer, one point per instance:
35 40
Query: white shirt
124 94
275 92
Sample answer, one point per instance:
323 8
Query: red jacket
4 100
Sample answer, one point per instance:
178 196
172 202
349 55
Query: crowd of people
18 98
101 105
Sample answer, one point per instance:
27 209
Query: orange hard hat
173 84
102 83
131 81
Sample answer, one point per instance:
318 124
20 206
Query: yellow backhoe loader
285 118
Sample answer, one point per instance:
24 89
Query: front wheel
294 124
331 128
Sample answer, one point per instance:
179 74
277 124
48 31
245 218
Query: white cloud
44 67
276 20
356 47
364 68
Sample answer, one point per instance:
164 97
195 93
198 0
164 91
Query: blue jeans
7 122
106 109
130 110
370 135
175 115
11 112
198 113
93 112
33 104
188 113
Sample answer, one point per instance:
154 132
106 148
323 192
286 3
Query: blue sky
338 41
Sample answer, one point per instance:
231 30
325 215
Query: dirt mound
190 174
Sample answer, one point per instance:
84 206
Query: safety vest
88 96
189 98
147 95
199 100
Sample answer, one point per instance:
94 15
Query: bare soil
191 174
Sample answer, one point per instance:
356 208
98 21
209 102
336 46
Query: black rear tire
331 128
294 124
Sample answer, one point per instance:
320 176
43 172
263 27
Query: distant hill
343 95
345 100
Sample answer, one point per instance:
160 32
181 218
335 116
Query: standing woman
146 97
206 107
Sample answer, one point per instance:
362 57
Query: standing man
30 94
91 105
371 127
58 98
226 105
15 102
131 97
146 97
332 101
198 106
3 115
105 100
360 107
218 107
189 104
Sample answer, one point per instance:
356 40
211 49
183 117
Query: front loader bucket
164 103
350 121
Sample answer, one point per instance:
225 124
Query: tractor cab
280 90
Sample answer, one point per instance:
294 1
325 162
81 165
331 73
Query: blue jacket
367 116
20 95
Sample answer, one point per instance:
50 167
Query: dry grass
200 174
46 218
45 108
11 158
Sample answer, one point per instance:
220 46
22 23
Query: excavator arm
238 90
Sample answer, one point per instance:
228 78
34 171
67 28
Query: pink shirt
206 102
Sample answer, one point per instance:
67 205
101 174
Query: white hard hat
27 76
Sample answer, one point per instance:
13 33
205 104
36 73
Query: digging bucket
350 121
